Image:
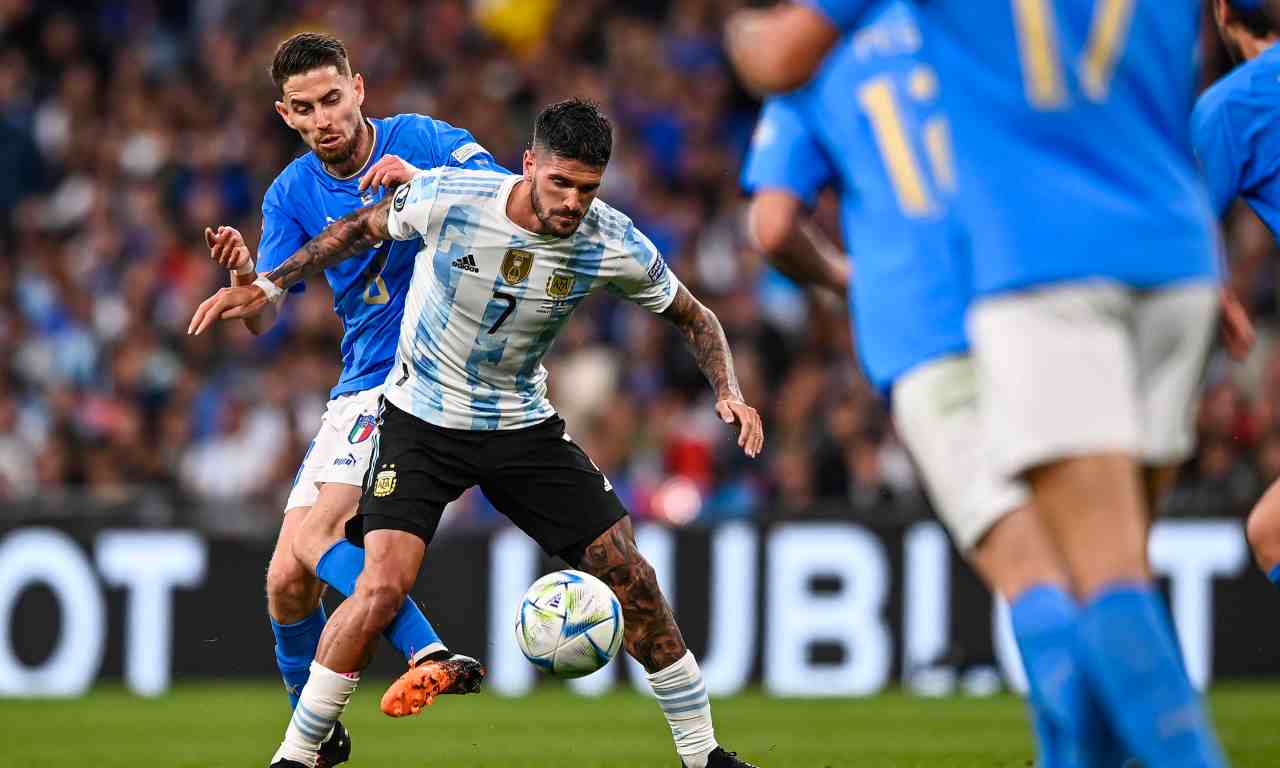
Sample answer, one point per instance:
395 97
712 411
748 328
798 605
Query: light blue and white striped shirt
488 297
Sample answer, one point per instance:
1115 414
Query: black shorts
536 476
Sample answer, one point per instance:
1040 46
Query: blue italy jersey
1236 133
368 291
869 122
1072 133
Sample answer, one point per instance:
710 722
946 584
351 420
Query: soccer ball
570 624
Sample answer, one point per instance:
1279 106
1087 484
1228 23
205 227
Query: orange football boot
429 678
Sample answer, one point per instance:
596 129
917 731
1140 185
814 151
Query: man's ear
359 88
283 112
529 161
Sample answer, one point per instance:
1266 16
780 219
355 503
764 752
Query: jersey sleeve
282 235
785 155
844 15
644 277
457 148
410 213
1213 139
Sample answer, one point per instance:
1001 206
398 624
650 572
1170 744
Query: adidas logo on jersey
467 263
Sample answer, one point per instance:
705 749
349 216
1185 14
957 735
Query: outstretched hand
390 171
227 248
228 304
751 434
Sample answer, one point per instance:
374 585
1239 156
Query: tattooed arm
705 337
349 236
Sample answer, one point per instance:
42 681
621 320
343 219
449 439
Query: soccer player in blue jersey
352 159
503 261
1235 129
1094 269
874 96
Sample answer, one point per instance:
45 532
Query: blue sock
1274 575
1133 669
296 649
1069 728
1171 629
409 632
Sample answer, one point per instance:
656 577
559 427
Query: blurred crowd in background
127 127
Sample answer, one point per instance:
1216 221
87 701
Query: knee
380 598
312 540
318 532
640 575
614 559
633 580
1015 554
1263 531
292 592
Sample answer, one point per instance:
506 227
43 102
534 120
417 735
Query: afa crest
516 266
384 483
363 428
560 284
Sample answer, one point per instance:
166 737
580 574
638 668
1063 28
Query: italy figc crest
363 428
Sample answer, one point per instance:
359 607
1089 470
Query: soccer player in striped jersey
503 262
352 159
1095 290
1236 133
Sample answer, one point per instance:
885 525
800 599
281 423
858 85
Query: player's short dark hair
306 51
575 129
1257 22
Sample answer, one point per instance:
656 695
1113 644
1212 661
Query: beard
546 218
341 153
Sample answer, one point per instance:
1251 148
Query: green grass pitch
239 724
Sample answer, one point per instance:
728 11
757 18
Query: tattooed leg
650 633
653 639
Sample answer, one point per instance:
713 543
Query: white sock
323 699
683 698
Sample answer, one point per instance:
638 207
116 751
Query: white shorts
935 409
341 449
1092 367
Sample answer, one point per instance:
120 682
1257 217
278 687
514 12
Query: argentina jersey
1235 130
869 123
1070 120
369 290
488 297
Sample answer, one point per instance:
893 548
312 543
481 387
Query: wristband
247 268
274 292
